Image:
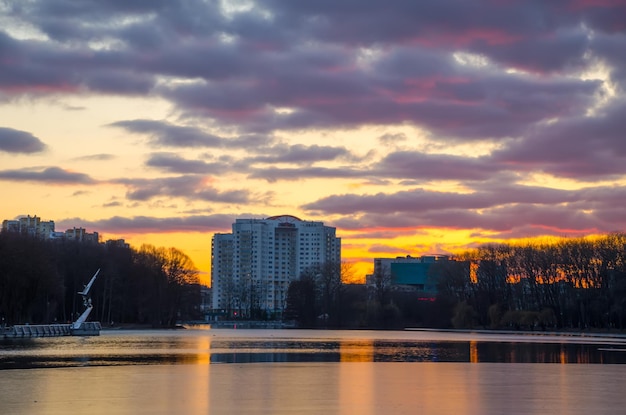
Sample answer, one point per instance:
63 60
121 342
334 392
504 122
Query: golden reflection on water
424 389
473 345
200 387
356 351
204 350
355 380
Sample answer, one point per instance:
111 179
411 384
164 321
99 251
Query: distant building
253 266
409 273
118 243
81 235
35 227
29 225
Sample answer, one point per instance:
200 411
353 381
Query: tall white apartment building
251 268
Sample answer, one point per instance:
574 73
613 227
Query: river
246 371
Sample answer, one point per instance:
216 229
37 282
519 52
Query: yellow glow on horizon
427 241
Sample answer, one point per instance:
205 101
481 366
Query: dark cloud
165 134
427 167
190 187
162 133
554 51
417 200
150 224
544 220
242 67
37 67
173 163
609 49
584 147
299 153
512 16
376 233
118 82
594 209
272 174
48 175
296 154
16 141
64 20
403 85
90 8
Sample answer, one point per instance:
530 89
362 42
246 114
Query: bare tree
382 284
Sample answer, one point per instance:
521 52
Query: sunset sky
413 127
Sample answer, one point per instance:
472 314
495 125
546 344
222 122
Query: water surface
312 372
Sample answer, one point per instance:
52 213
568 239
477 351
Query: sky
413 127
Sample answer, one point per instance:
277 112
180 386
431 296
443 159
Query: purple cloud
583 147
16 141
50 175
496 209
190 187
150 224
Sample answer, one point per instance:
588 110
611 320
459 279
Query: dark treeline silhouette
320 299
39 281
577 283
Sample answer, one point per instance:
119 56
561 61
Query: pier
81 327
90 328
37 330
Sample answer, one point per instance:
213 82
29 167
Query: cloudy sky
413 127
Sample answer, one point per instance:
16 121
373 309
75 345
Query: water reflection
223 346
406 351
314 388
333 373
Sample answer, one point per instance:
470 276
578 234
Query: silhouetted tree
301 301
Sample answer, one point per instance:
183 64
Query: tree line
39 281
573 283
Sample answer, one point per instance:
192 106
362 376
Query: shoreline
261 325
582 333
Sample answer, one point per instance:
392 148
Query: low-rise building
35 227
409 273
29 225
81 235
